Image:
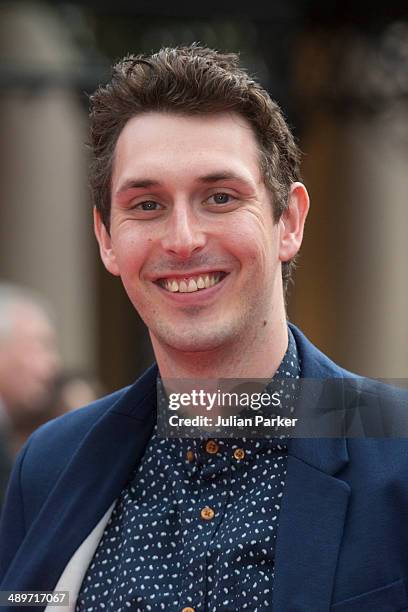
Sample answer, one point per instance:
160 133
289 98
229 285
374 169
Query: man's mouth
189 284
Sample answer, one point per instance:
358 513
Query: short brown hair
190 80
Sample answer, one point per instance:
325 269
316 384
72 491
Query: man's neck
249 357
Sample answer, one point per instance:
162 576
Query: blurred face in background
29 360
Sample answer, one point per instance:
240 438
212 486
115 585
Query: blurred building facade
45 230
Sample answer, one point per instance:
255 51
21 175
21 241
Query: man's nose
184 233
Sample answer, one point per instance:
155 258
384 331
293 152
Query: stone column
46 238
351 292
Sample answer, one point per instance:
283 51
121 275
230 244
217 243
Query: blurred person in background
29 362
74 389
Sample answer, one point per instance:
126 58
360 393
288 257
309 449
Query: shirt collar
192 450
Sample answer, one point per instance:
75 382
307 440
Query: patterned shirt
195 527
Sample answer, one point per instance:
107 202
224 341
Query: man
199 210
28 364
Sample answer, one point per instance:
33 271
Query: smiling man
199 210
192 235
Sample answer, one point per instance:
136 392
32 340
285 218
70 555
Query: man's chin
189 341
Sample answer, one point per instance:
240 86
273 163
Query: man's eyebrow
147 183
137 184
222 176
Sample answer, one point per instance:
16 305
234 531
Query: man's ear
292 222
105 244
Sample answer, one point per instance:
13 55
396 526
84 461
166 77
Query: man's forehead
197 119
210 147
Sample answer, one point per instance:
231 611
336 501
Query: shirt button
207 513
211 447
189 455
239 453
188 610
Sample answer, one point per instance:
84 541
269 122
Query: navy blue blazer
342 541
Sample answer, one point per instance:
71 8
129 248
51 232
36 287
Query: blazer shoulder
51 447
388 396
62 435
384 390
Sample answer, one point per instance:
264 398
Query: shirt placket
201 513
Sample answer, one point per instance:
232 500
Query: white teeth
200 283
191 285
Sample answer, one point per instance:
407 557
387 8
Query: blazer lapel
73 574
315 502
310 526
89 485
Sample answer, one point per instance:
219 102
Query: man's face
192 233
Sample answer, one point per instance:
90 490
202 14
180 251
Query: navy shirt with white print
195 527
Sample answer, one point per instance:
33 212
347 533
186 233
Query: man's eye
148 205
220 198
